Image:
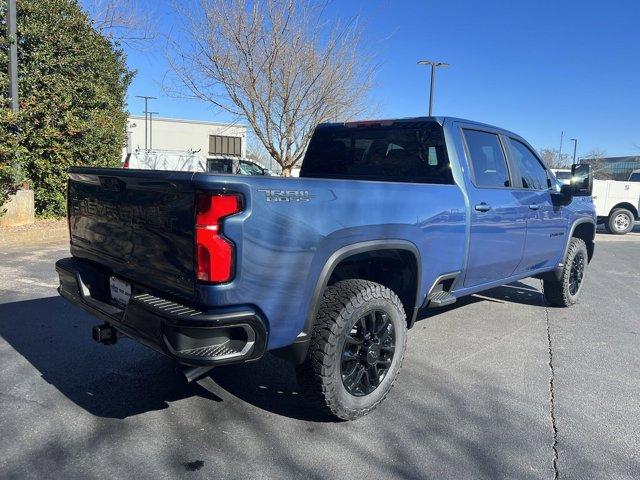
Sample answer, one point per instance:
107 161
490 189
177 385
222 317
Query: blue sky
534 67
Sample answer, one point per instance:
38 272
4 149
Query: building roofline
184 120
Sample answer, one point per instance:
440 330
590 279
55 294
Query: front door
546 222
498 219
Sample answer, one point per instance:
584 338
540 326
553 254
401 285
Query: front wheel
565 292
620 221
356 348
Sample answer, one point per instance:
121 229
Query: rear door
498 220
546 222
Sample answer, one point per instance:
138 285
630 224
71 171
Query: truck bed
139 225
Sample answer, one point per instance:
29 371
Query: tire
565 292
620 221
339 349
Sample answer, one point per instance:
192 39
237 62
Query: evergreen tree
72 87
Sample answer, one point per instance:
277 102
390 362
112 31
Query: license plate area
120 291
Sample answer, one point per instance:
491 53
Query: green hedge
72 87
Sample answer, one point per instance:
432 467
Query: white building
171 141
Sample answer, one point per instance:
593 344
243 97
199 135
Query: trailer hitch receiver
105 334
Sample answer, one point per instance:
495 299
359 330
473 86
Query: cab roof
440 120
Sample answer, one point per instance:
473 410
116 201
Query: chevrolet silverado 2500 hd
330 269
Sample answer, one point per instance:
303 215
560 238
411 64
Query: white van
562 174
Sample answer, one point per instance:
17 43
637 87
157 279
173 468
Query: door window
532 173
487 158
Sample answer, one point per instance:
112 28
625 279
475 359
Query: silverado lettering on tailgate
151 216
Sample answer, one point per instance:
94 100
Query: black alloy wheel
367 353
577 273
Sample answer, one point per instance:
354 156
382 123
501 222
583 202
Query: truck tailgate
138 223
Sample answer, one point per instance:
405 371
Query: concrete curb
29 237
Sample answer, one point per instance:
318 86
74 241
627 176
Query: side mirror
581 180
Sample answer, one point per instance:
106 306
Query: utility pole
151 114
12 31
146 111
432 84
560 150
575 147
13 54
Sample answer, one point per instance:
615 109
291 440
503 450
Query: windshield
402 152
248 168
563 175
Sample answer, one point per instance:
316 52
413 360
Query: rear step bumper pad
191 336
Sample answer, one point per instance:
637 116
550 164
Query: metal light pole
432 85
560 150
146 111
151 114
575 147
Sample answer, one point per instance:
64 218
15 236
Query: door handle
482 207
533 206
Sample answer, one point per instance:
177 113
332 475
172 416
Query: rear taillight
214 253
126 161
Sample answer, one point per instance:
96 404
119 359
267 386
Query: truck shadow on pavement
117 381
437 422
128 379
516 292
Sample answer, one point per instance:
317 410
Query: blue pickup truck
328 270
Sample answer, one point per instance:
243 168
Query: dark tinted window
634 177
489 164
220 165
402 152
533 174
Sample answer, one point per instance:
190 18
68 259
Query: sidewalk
42 231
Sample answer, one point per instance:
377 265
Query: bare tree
256 151
123 21
601 169
276 63
550 158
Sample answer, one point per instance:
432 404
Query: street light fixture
434 65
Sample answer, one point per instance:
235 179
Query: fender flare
353 249
560 267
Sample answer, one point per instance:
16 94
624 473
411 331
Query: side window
487 157
533 174
634 177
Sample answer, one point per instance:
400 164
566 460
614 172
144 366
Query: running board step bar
441 298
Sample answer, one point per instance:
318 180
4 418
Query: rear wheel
565 292
620 221
356 349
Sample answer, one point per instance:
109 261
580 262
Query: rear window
414 152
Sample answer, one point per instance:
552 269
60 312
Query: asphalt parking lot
499 386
